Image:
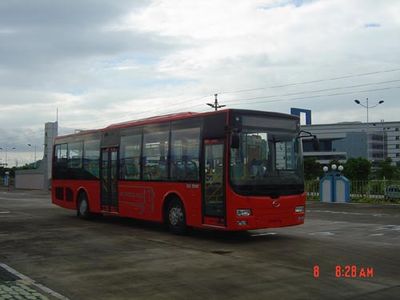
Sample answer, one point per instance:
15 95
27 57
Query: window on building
75 155
185 151
131 146
91 156
397 137
155 153
397 146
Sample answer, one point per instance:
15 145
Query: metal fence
373 189
312 189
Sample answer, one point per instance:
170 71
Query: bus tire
176 218
83 206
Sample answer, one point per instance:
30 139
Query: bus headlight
299 209
243 212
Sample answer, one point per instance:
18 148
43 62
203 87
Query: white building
374 141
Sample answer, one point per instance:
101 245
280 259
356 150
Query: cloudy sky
101 61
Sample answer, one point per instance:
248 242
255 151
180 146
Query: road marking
326 233
390 227
376 234
33 282
264 233
4 212
346 213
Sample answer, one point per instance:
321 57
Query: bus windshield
267 162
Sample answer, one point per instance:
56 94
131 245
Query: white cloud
117 62
227 30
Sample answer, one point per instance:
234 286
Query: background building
373 141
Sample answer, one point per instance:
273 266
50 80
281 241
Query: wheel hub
83 207
175 215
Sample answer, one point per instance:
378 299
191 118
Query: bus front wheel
83 206
176 217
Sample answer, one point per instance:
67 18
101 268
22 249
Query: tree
386 170
357 168
312 168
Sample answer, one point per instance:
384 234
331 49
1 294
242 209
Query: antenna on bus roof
215 105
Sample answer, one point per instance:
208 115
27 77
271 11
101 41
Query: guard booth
6 178
334 187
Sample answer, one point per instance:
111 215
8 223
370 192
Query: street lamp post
367 106
384 137
5 150
34 162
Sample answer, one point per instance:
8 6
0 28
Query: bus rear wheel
83 206
176 218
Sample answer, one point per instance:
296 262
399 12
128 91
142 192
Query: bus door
109 179
213 183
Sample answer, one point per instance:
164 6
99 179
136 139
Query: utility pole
215 105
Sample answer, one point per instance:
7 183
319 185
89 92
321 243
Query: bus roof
169 117
162 118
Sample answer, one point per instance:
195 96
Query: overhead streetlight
215 105
34 162
367 106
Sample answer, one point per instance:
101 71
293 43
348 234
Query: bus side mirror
315 143
235 140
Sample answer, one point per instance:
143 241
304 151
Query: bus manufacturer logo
276 203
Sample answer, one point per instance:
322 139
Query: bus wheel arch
82 204
174 214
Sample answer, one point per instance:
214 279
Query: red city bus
229 170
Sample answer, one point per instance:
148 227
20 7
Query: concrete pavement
114 258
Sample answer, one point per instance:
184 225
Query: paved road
113 258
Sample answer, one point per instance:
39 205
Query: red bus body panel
266 212
91 187
144 200
139 199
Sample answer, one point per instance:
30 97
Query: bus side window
155 154
75 155
91 157
60 161
130 149
61 152
185 151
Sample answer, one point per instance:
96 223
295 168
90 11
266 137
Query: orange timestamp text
348 271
